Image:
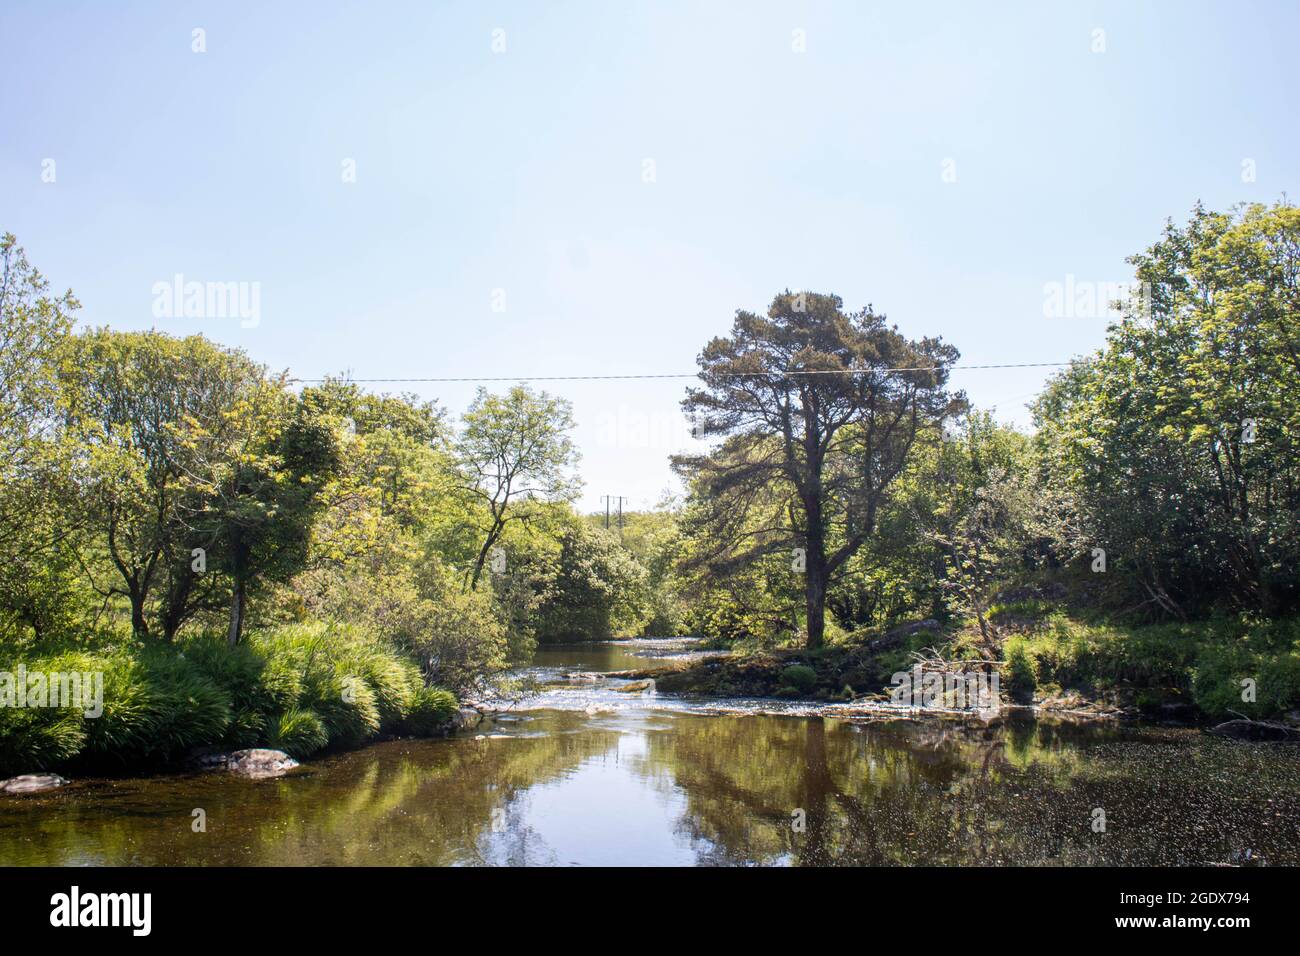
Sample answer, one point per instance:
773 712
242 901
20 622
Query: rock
636 687
32 783
467 718
258 763
1255 730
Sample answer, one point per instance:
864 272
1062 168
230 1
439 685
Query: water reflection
645 784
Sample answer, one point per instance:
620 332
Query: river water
583 774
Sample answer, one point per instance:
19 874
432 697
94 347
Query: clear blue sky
524 171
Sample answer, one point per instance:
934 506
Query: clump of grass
38 739
1022 668
186 708
300 688
430 709
299 733
799 677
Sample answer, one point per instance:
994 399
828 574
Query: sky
498 190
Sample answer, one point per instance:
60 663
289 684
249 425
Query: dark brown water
586 775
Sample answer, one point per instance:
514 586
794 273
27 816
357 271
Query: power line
670 375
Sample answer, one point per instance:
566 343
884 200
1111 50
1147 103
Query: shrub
1022 668
38 738
299 733
299 688
429 712
1220 671
799 677
185 708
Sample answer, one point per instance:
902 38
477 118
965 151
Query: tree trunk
493 534
236 615
815 592
139 625
815 571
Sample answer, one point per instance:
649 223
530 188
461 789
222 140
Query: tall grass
301 688
1203 662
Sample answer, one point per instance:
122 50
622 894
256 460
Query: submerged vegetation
252 564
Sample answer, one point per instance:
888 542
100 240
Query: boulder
258 763
636 687
32 783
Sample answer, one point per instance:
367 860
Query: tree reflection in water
561 787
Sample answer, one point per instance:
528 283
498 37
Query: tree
38 513
515 456
1181 439
820 410
258 486
599 589
981 516
135 402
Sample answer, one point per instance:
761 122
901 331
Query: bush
1022 668
299 688
799 677
429 712
1217 683
186 709
38 739
299 733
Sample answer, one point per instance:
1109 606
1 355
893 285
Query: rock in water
258 763
636 687
467 718
32 783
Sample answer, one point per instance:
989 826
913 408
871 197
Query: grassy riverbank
1049 655
298 688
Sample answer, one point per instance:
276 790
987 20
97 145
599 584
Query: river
582 774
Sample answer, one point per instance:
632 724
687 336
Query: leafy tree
258 488
136 403
38 516
1179 440
820 410
599 589
515 456
982 517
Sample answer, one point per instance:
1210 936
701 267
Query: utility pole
621 499
606 499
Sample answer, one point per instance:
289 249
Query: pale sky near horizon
623 176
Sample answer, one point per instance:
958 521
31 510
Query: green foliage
1176 447
299 733
599 589
429 710
1022 669
799 677
305 686
186 709
38 739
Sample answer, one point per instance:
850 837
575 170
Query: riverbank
1204 672
297 689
